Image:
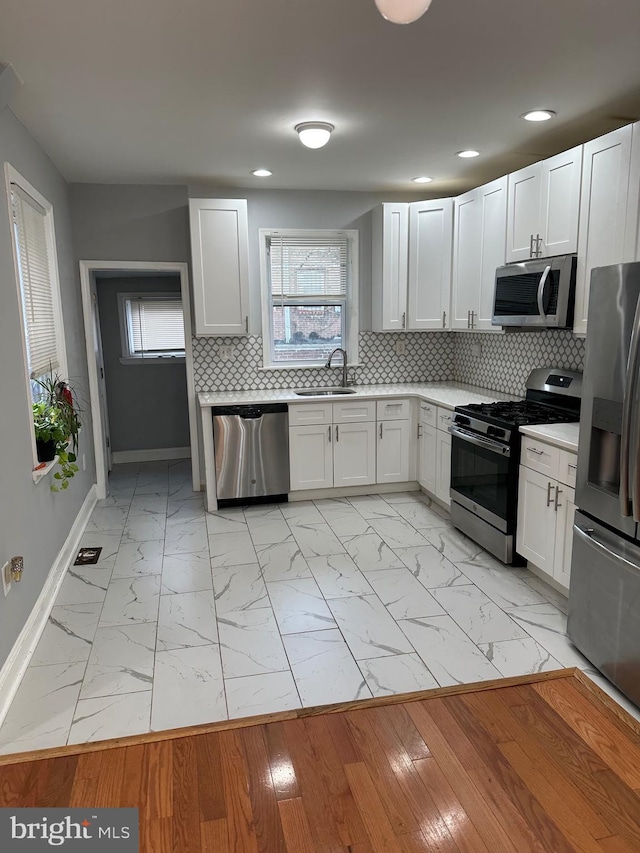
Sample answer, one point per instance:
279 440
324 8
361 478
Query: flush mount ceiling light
468 154
402 11
261 173
314 134
422 180
538 115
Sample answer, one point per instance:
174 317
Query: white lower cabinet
443 466
311 457
393 451
427 453
354 454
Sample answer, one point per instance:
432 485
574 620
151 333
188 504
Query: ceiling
159 91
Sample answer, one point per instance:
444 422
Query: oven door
482 479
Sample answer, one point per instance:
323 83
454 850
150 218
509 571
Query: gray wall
147 403
34 522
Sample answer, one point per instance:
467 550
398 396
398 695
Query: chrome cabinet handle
419 430
537 452
468 319
538 249
404 320
444 319
473 322
380 430
549 487
329 435
558 492
337 433
571 465
531 246
246 324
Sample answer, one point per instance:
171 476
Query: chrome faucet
345 379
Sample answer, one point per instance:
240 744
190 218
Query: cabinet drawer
568 467
428 414
301 414
354 412
539 456
392 410
445 417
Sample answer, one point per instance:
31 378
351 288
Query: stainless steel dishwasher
251 446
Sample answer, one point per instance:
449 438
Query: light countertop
560 435
446 394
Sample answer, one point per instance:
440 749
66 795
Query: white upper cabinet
389 267
479 245
220 255
430 244
543 207
603 212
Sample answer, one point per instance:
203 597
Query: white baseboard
156 455
353 491
24 647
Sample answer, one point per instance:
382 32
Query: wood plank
338 727
615 844
620 713
295 826
210 782
236 794
83 793
185 823
159 779
110 781
214 836
266 818
283 774
156 836
12 782
370 806
397 717
134 785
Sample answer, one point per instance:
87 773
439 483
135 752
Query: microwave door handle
541 285
629 490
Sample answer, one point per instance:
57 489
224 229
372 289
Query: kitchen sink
323 392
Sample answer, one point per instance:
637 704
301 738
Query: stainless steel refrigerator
604 598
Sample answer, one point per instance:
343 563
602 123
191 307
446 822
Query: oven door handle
494 446
541 285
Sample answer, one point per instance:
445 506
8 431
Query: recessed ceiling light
538 115
469 153
422 180
261 173
314 134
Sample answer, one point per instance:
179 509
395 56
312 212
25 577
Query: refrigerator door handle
629 491
588 535
543 281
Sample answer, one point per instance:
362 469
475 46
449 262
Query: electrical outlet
225 353
6 578
401 347
476 350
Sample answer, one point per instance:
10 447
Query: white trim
39 473
211 497
154 455
88 269
18 659
352 491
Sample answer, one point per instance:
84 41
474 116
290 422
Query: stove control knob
495 432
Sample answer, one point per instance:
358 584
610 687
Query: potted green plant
56 424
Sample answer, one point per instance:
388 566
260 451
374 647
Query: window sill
318 366
39 473
177 359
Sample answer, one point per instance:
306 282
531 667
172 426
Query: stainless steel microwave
537 294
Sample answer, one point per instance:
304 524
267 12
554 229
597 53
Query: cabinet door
443 466
535 536
523 212
603 208
354 454
427 451
467 250
311 457
430 244
390 267
393 451
560 203
566 511
493 247
220 255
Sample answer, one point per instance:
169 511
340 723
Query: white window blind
155 325
34 262
308 267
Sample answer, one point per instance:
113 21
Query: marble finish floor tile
302 512
268 534
394 498
479 617
324 669
121 661
251 643
144 527
402 595
186 572
109 542
231 549
430 567
299 606
338 576
372 507
548 625
131 600
188 688
371 554
110 717
558 599
239 588
398 533
136 559
142 505
447 651
186 619
41 713
455 546
348 524
519 657
368 628
185 537
116 499
316 540
503 584
182 511
68 634
182 490
282 561
84 584
420 516
226 521
397 674
261 694
105 519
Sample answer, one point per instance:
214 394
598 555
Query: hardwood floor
539 763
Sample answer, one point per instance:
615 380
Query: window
152 326
310 292
37 277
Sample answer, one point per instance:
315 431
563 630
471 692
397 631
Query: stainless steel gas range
485 456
